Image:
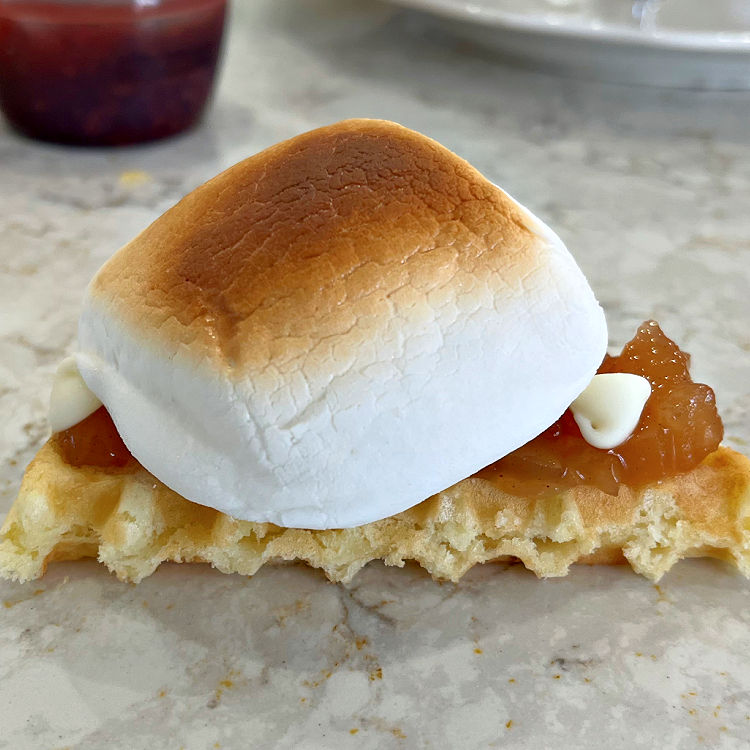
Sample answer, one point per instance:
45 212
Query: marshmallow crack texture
337 328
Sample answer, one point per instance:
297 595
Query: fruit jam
107 73
678 428
93 442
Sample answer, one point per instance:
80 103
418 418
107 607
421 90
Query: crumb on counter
134 177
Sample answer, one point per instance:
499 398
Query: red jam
678 428
107 73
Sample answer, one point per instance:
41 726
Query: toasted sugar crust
314 246
132 523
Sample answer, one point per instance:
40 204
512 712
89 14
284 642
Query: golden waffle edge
131 522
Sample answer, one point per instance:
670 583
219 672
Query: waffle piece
132 522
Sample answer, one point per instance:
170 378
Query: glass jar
107 72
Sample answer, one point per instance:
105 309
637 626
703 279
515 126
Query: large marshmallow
337 328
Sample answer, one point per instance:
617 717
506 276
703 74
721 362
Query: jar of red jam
107 72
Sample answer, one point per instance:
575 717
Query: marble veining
649 189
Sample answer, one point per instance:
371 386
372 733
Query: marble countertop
649 189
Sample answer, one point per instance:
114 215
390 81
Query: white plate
684 43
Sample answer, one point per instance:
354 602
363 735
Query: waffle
132 522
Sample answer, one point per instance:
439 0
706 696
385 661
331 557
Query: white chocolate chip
71 400
610 408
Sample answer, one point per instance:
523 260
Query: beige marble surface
649 188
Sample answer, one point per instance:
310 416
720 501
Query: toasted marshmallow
335 329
